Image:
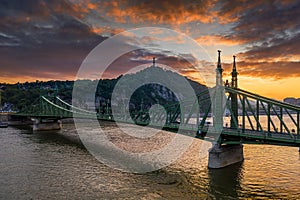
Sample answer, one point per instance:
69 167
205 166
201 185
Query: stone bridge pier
224 155
40 124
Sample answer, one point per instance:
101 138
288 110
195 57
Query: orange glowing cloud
106 30
209 40
160 12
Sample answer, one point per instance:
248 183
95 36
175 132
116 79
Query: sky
49 39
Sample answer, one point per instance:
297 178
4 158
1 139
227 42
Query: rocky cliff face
155 85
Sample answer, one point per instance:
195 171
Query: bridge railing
264 115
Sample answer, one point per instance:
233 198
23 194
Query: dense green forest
21 95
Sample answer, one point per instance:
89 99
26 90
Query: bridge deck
249 136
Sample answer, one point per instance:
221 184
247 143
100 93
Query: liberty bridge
253 119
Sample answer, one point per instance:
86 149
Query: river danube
55 165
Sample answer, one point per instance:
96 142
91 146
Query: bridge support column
46 124
222 156
3 117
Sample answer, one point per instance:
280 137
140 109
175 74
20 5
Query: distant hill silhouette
21 95
160 92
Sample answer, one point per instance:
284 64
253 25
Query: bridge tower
223 155
234 101
218 100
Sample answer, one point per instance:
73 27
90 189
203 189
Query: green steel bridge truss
252 118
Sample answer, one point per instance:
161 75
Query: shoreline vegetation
15 97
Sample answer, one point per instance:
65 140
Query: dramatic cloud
279 49
48 39
42 39
270 70
270 32
185 64
209 40
259 21
160 12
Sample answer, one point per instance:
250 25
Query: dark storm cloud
279 48
256 22
39 22
42 39
259 21
269 22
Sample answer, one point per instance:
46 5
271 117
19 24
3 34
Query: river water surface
55 165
